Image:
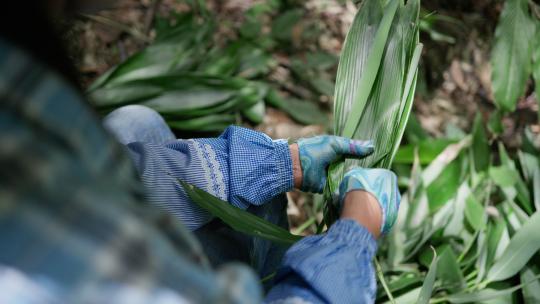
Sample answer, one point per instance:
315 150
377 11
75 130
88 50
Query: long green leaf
523 245
511 55
208 123
536 64
367 79
448 270
406 104
353 64
381 119
531 291
429 281
484 295
239 219
376 81
427 151
480 148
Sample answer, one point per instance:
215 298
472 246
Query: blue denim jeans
221 244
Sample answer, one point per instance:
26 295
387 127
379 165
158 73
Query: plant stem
305 225
383 281
268 277
471 275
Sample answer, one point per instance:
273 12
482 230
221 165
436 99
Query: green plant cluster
203 82
468 225
479 210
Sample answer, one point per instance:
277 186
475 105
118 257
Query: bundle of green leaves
375 83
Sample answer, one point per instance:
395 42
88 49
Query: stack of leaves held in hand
375 83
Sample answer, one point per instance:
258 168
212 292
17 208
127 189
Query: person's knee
133 112
137 123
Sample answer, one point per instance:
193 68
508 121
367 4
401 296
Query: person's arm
336 267
242 166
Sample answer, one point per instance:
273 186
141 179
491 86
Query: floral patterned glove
382 184
318 152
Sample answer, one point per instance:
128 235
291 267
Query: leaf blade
237 218
511 54
523 245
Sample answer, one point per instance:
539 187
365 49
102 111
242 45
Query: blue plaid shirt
76 227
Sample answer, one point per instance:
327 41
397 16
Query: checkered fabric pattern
241 166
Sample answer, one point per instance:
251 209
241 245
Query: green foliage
536 63
511 54
480 148
531 291
429 281
427 150
523 245
375 82
474 205
482 256
201 82
239 219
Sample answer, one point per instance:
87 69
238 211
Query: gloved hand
382 184
318 152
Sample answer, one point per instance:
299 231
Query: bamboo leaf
429 281
536 64
406 103
445 186
403 282
485 294
208 123
531 291
359 62
449 271
376 81
443 159
523 245
427 151
498 239
511 55
255 113
385 115
304 112
480 148
474 212
237 218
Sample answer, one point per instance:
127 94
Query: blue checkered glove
318 152
382 184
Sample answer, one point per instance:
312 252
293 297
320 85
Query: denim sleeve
241 166
335 267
